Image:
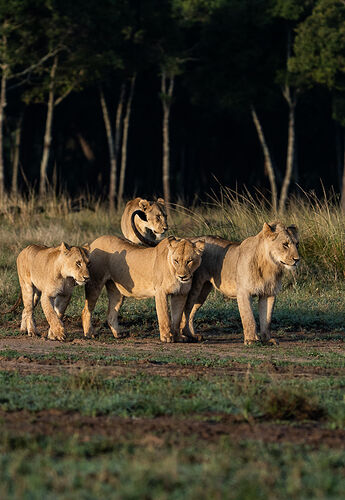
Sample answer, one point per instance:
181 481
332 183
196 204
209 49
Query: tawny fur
131 270
152 229
244 270
50 274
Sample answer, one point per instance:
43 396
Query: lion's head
75 263
282 244
185 257
156 216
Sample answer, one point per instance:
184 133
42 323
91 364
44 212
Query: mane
266 273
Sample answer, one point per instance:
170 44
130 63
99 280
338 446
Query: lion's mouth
185 280
80 283
289 265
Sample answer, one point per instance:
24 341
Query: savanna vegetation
167 97
101 101
135 418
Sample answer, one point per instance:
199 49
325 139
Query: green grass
255 356
101 468
186 465
254 396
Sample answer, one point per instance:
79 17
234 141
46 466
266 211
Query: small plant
283 403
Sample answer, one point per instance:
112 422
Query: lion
144 221
244 270
131 270
50 274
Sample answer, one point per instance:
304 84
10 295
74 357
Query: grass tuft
286 403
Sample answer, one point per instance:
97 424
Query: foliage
319 45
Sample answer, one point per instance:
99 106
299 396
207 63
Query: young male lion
130 270
243 270
50 274
144 221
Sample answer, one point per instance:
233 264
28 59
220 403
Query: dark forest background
221 61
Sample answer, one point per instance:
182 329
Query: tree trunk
4 74
342 199
167 88
112 157
2 116
48 130
125 141
339 148
16 155
267 157
119 122
290 149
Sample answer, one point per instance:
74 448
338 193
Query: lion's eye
189 261
78 263
286 245
158 218
176 261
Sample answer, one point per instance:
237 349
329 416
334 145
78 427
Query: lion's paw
57 335
168 338
32 333
252 342
273 341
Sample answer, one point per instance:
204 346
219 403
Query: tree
244 51
319 56
19 34
55 81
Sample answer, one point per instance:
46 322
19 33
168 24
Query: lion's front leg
28 323
92 292
56 328
266 306
196 297
115 298
60 304
166 335
244 302
177 305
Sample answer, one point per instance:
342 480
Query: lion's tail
18 301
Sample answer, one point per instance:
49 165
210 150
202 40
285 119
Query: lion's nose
86 278
296 259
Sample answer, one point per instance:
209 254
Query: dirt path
158 359
167 430
38 356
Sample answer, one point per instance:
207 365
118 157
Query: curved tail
18 301
140 237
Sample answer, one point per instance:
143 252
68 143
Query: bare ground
158 431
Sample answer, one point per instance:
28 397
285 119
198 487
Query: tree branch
38 63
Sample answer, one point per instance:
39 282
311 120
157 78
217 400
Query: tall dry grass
235 216
25 220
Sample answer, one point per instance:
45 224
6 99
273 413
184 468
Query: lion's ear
64 248
267 230
199 247
172 241
144 204
161 201
294 231
87 247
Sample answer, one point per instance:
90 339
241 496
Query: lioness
130 270
144 221
50 274
243 270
